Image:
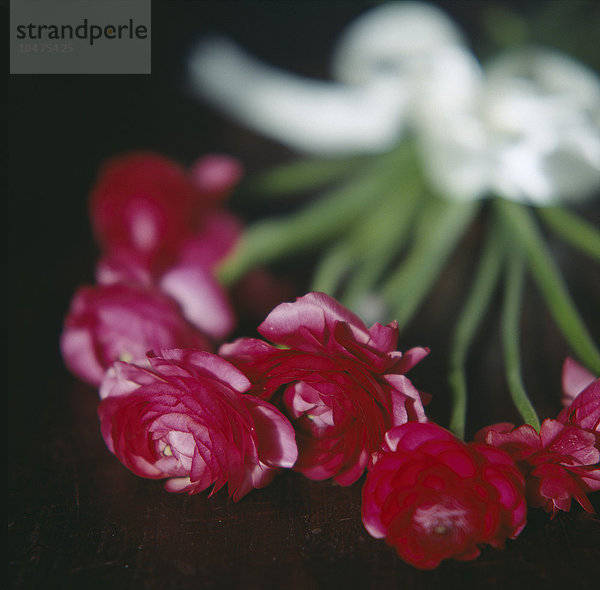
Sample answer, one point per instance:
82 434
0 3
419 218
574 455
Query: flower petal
203 300
575 378
307 115
276 437
384 40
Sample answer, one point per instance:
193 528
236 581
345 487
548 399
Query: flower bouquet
411 142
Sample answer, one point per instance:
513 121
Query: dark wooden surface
76 517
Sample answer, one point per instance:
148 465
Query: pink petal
178 484
412 357
413 434
258 476
500 434
276 437
411 407
214 239
584 410
575 378
316 313
216 174
122 268
371 518
77 349
384 338
246 348
570 441
204 363
302 397
203 300
591 478
123 378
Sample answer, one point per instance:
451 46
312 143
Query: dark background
76 517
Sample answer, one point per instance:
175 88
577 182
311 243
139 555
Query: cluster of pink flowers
433 496
342 384
201 419
560 461
321 392
161 230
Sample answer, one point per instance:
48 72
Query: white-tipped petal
552 74
456 157
384 40
543 110
307 115
518 174
449 83
574 168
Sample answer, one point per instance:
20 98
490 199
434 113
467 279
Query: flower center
439 519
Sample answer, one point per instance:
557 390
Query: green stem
486 278
520 224
442 223
380 240
510 337
332 268
319 222
369 244
303 175
573 229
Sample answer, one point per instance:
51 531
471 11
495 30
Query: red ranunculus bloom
145 205
433 497
342 384
185 416
159 225
560 462
121 322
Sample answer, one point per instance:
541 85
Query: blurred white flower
365 108
324 118
530 132
527 127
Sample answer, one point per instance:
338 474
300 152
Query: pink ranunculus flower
560 462
145 205
160 225
433 497
107 323
343 385
184 415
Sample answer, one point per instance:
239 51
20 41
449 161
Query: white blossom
365 108
530 133
525 127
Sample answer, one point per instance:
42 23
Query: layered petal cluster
433 497
162 226
560 462
107 323
162 231
145 206
342 384
184 415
